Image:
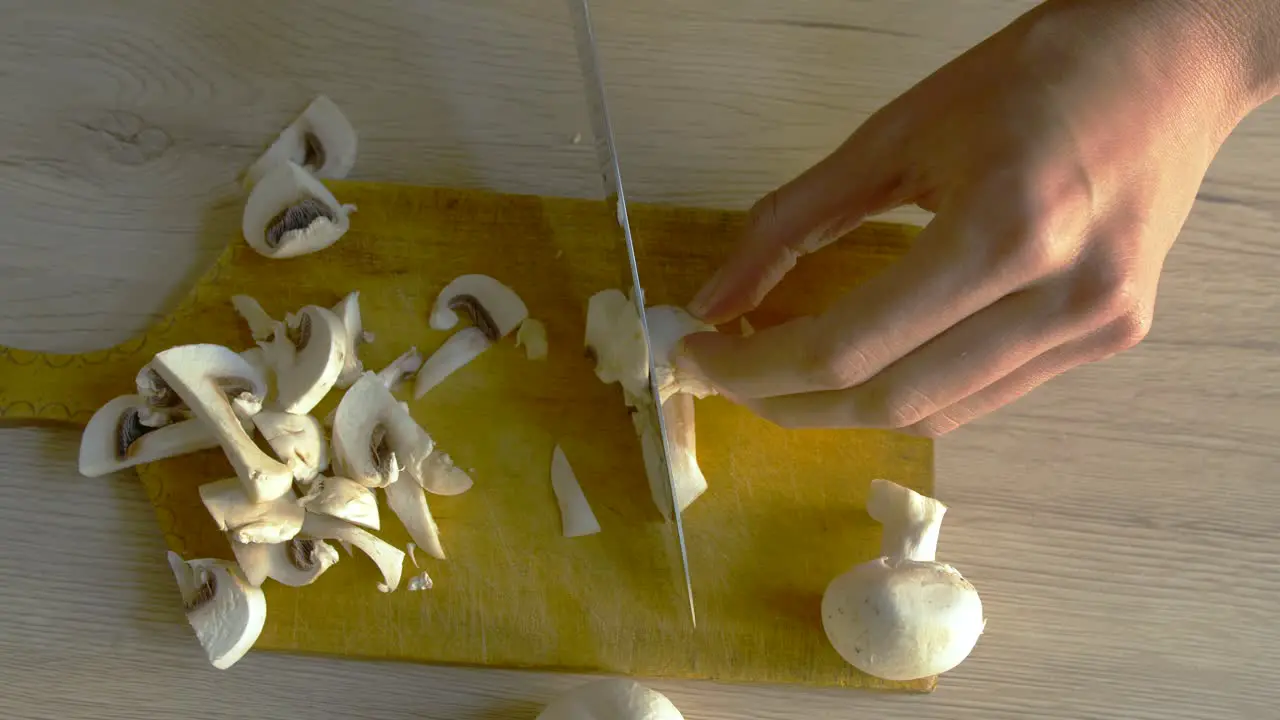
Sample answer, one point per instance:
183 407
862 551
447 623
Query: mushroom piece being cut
226 612
198 373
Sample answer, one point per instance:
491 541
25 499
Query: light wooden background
1120 522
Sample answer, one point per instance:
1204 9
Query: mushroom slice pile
344 499
576 517
295 563
409 503
115 438
273 521
389 559
198 373
290 213
321 140
298 440
226 612
307 351
903 616
494 309
348 311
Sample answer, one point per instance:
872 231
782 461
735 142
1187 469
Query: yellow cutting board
783 515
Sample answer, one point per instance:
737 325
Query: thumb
821 205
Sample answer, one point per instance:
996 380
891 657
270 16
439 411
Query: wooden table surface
1118 521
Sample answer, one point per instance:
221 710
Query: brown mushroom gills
298 216
478 315
128 432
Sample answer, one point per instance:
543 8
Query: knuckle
832 367
1107 291
900 408
1031 237
1132 328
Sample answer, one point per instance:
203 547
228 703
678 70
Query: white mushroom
344 499
260 323
388 558
225 611
493 307
307 352
321 139
115 438
533 336
290 213
198 374
439 476
611 699
298 440
296 562
576 517
273 521
667 326
348 311
409 503
614 340
903 616
459 349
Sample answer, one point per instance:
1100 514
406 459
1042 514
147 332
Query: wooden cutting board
784 513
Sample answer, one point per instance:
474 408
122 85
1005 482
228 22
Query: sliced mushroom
667 326
348 311
371 432
321 139
409 503
296 562
576 517
162 404
439 476
115 438
409 362
260 323
459 349
533 336
273 521
198 373
226 612
344 499
686 476
290 213
389 559
307 352
614 340
493 307
298 440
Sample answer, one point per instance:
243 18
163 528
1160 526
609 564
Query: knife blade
611 175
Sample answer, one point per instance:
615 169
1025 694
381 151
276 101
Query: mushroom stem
344 499
459 349
273 521
409 503
576 517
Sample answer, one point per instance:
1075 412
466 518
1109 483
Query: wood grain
1118 521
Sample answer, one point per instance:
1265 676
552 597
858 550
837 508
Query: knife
611 174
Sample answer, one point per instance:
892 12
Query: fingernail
701 304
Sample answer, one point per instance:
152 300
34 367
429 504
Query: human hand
1061 157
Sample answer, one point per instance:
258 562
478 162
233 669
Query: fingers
958 363
822 204
944 278
1111 339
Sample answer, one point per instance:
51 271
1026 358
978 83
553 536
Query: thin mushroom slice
388 558
344 499
198 374
409 362
439 476
409 503
348 311
372 432
296 562
459 349
115 438
491 306
226 612
273 521
298 440
321 140
261 325
290 213
533 336
576 517
307 352
614 340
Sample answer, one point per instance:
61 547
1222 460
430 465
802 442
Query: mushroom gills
295 562
226 612
321 139
307 352
369 427
115 438
491 306
576 517
459 349
290 213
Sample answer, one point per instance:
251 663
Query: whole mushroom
611 699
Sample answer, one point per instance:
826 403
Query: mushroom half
198 374
321 140
290 213
226 612
116 438
903 616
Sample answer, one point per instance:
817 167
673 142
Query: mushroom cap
900 619
228 622
611 699
493 307
102 440
284 186
304 379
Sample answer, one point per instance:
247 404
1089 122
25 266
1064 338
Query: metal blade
611 172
